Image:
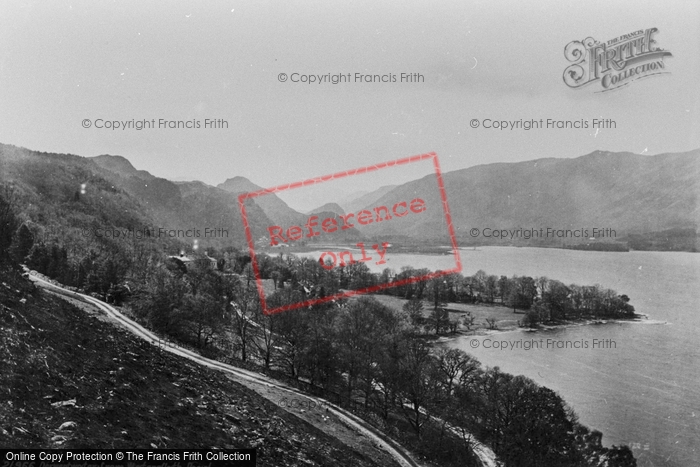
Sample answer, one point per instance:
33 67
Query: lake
644 391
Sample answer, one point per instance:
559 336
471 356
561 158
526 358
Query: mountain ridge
626 192
273 206
66 196
631 194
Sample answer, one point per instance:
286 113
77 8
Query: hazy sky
65 61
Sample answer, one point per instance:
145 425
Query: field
505 318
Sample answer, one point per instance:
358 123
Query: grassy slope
129 395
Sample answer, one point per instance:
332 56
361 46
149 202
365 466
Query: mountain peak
120 165
329 207
238 184
274 207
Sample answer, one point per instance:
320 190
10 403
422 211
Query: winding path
395 450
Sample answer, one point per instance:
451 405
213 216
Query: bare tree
244 304
266 337
417 383
454 364
491 323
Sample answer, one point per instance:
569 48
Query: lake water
644 392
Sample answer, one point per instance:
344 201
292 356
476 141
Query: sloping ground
361 437
68 379
63 196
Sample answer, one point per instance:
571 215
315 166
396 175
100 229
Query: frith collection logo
614 63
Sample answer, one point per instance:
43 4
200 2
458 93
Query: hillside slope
68 197
366 199
273 206
60 365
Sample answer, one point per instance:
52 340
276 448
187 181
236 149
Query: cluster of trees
192 306
8 223
15 238
359 351
557 302
542 300
551 299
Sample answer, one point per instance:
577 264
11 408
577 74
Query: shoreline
505 319
481 331
430 249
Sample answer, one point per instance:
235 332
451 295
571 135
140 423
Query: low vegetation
70 380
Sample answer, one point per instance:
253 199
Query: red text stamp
411 208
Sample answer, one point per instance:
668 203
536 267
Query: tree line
362 354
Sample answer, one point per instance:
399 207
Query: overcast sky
65 61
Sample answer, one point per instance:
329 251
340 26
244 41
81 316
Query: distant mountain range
625 192
649 201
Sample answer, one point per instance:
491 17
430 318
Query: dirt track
333 420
